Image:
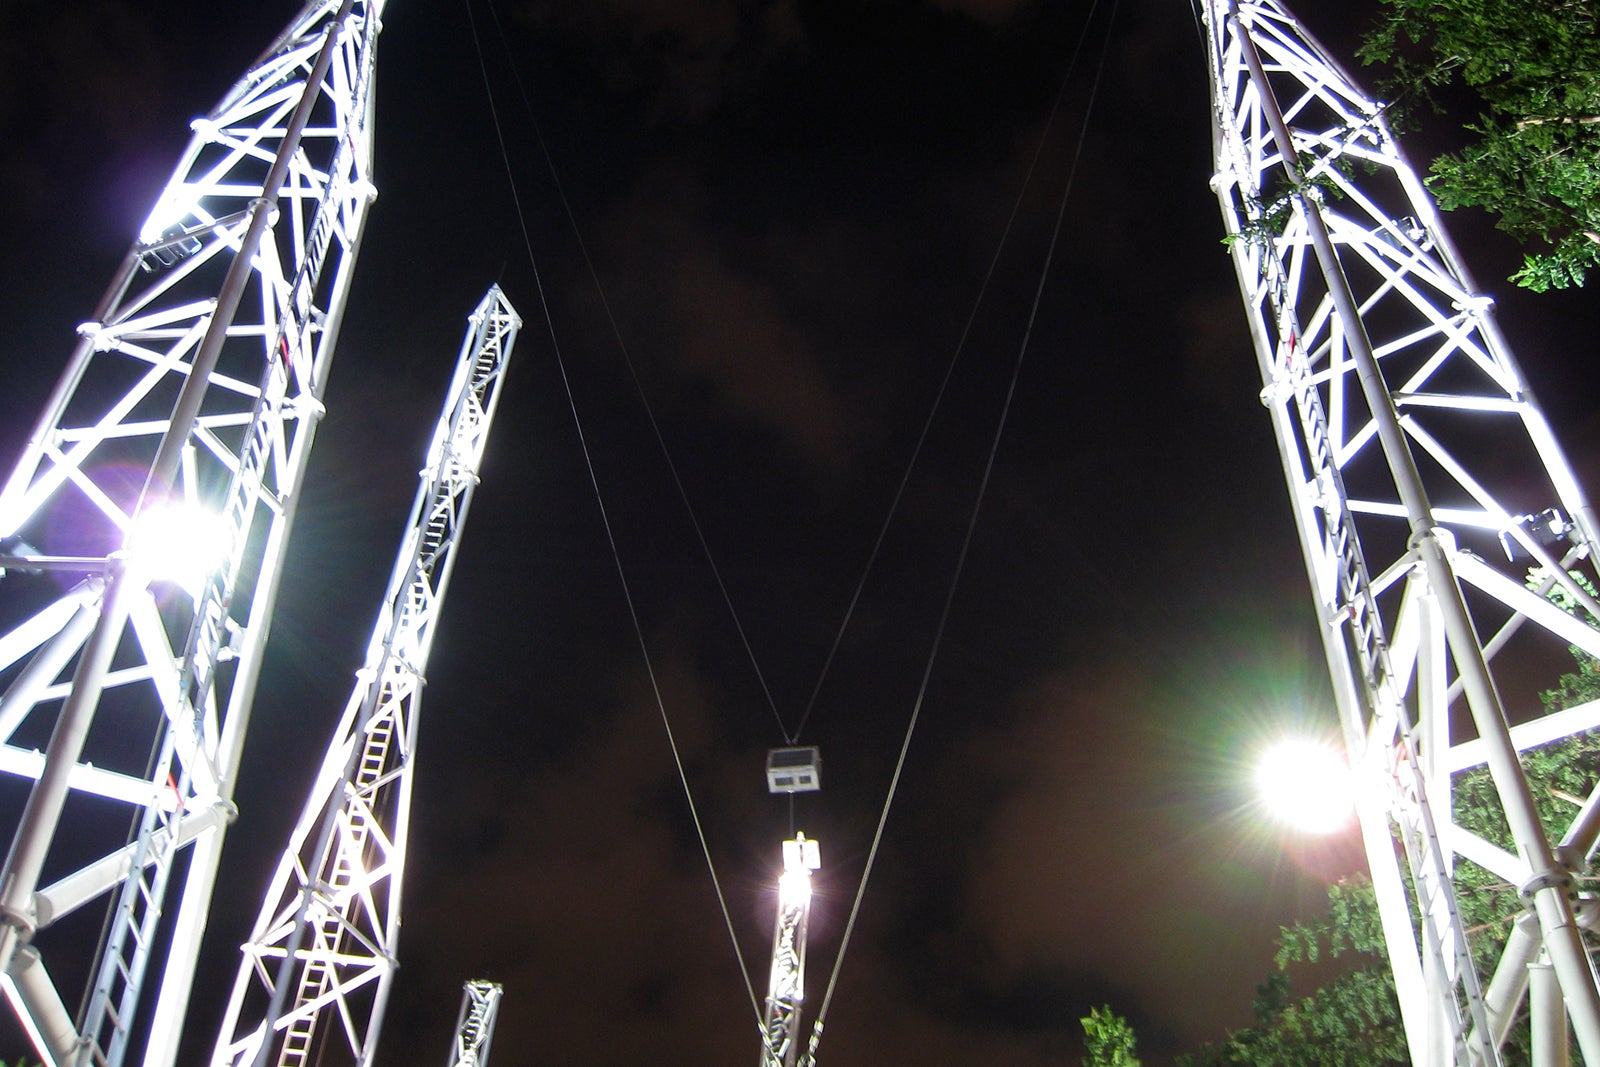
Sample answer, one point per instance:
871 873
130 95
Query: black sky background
791 206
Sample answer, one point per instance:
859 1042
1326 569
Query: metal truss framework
1436 513
786 984
198 382
322 953
480 1007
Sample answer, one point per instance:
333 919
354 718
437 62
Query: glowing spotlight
794 888
800 857
1306 784
179 543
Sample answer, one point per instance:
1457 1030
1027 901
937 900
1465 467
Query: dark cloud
76 81
990 12
584 839
681 60
730 333
757 359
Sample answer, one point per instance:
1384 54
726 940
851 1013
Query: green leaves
1108 1040
1352 1020
1533 155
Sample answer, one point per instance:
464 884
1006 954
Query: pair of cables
911 464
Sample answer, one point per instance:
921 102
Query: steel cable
627 359
977 506
594 481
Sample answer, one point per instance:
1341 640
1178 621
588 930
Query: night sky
791 207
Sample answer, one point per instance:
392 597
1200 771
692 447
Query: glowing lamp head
1307 785
801 856
794 888
179 543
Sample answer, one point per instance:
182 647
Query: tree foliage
1532 70
1108 1040
1352 1020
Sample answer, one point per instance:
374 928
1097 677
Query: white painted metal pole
37 827
1547 1018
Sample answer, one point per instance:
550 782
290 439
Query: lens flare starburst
1306 784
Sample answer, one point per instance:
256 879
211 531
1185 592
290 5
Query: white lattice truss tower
480 1006
197 380
1420 472
323 949
786 978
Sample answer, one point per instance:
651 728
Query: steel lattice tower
480 1007
1426 485
197 381
786 981
323 949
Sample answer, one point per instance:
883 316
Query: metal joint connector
1556 879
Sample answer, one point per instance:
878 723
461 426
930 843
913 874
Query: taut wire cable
938 399
616 557
627 358
977 506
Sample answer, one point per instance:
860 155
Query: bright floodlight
794 888
801 856
1306 784
181 543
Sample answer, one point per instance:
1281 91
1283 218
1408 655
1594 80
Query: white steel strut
480 1006
322 952
1426 485
194 388
786 985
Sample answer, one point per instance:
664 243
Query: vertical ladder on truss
323 949
480 1008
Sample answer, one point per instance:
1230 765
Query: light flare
1307 785
178 543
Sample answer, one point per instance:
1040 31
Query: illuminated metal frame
323 950
198 379
1415 457
480 1008
786 983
